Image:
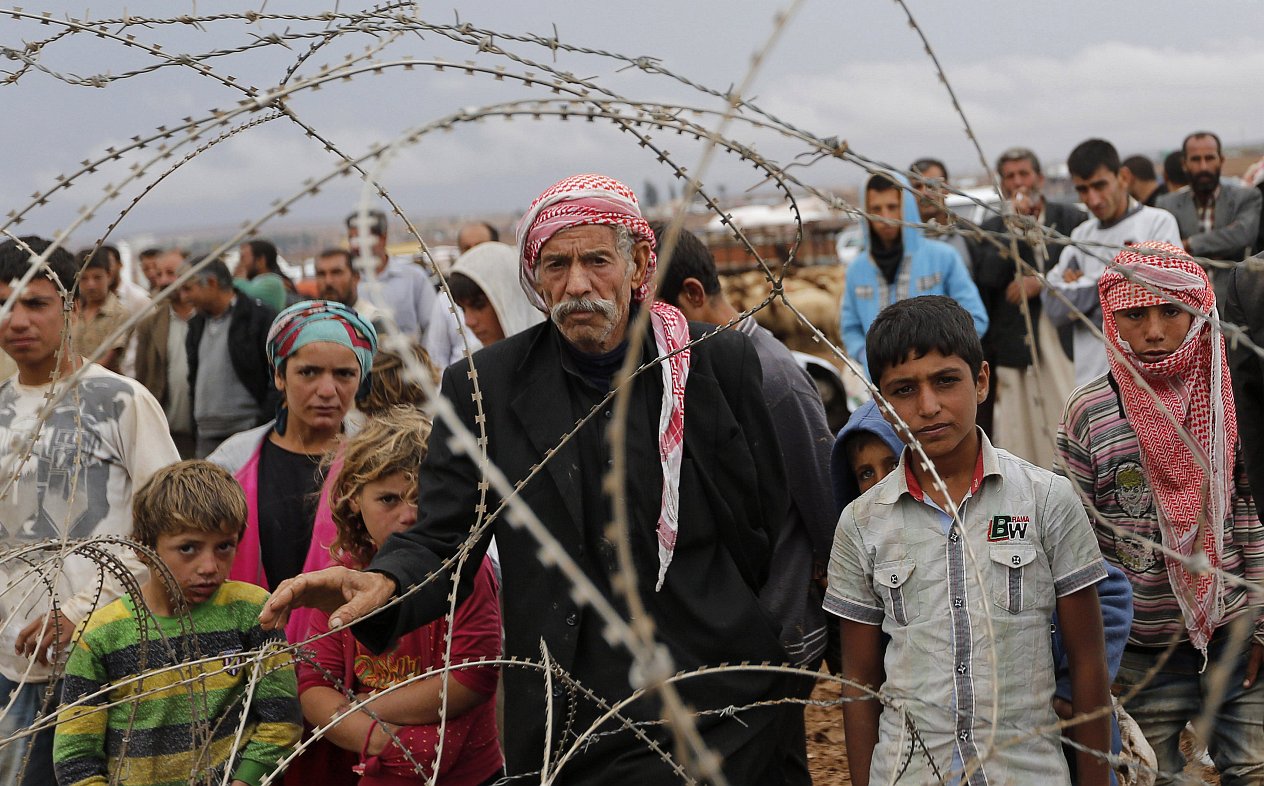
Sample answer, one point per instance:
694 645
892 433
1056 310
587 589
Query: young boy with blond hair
213 697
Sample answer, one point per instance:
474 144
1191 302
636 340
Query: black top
289 488
887 258
1005 343
732 504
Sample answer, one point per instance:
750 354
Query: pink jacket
248 565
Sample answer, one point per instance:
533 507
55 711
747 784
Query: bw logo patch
1008 528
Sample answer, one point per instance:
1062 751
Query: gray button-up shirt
968 612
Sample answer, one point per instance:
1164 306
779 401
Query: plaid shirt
1207 211
1103 458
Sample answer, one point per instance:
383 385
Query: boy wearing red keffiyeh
1153 447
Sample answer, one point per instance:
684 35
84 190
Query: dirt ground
827 759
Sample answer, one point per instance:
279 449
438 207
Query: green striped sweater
194 713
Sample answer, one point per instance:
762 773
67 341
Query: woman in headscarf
321 353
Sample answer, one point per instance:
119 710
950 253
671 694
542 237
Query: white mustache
606 308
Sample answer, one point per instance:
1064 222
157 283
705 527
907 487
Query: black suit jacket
1006 341
732 502
1243 307
247 351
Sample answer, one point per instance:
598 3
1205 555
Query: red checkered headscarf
597 199
1189 464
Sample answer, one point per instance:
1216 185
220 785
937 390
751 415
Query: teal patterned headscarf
319 320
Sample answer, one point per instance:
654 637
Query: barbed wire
572 98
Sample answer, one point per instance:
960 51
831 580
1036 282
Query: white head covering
494 268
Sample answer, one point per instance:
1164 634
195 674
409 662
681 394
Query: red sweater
471 749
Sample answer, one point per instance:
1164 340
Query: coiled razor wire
314 44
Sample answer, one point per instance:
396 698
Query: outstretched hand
345 595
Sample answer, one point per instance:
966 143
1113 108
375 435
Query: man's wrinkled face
336 279
1202 163
1021 183
1104 193
587 285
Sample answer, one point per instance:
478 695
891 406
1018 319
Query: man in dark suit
704 496
1217 220
1020 425
1246 367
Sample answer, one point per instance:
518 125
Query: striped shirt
1103 458
179 724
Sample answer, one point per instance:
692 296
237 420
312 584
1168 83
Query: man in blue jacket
899 262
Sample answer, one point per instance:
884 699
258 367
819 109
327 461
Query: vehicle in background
976 205
850 242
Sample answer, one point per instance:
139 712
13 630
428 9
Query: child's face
1154 332
199 561
387 505
871 462
481 319
937 397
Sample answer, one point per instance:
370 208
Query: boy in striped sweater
1153 448
179 685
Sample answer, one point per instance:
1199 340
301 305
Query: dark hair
915 326
216 269
1199 135
377 222
1018 154
464 290
15 260
880 182
1174 170
266 251
338 252
1141 167
1091 155
689 259
922 164
89 259
150 252
854 442
491 231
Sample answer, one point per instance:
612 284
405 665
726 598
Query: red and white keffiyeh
597 199
1192 478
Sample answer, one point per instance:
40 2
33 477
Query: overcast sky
1042 75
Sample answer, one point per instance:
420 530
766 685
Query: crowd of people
238 542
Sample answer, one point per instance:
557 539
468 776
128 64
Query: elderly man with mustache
705 497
